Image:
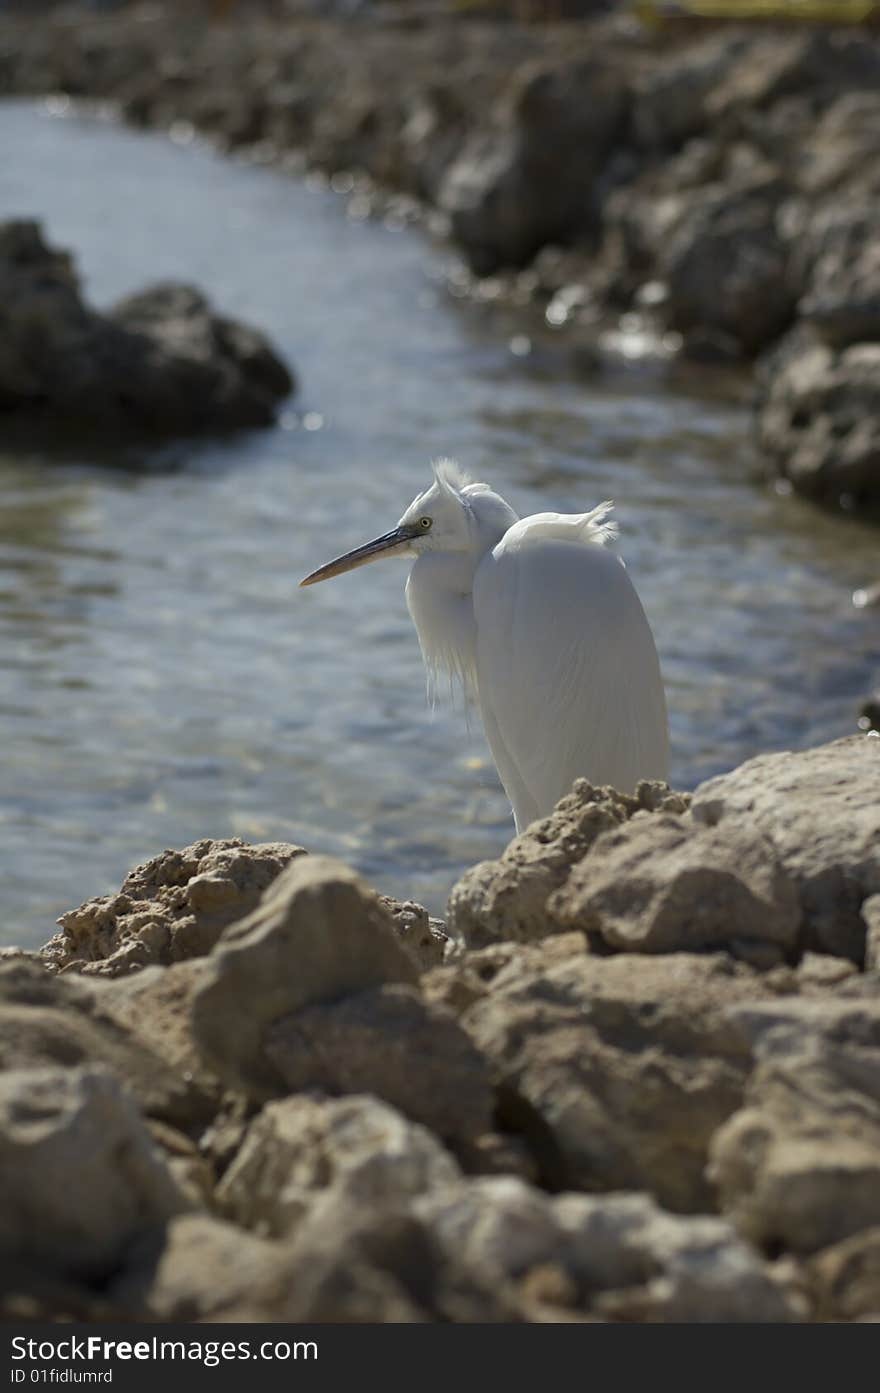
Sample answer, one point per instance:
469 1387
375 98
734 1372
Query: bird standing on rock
542 626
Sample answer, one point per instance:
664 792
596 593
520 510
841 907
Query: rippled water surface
163 679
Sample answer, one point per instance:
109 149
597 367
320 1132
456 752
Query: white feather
540 623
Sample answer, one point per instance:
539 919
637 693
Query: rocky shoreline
634 1078
714 192
634 1075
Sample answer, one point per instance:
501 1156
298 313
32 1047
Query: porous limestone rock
173 907
422 935
507 898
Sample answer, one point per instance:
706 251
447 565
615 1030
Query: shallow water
163 679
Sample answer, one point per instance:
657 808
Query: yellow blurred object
653 12
522 10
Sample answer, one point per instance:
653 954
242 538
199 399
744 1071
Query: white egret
542 626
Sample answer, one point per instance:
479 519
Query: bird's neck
439 594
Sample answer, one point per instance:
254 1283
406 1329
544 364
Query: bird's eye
425 523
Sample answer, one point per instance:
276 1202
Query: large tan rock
318 935
423 936
497 1223
176 906
652 1266
658 885
845 1279
776 65
669 102
50 1021
79 1174
353 1263
619 1069
298 1147
154 1007
507 899
621 1255
797 1168
776 858
821 811
391 1043
200 1268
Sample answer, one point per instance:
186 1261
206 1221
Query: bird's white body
542 626
585 696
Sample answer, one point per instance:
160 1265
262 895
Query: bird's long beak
390 544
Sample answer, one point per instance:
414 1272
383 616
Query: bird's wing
568 675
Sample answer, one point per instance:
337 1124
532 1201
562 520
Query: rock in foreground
81 1178
651 1096
318 935
298 1146
821 810
161 363
776 858
798 1167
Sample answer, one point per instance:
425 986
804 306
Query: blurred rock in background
716 182
160 363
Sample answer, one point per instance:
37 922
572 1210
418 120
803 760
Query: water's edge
164 679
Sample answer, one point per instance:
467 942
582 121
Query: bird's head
451 515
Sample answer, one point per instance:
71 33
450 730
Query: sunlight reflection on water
165 680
